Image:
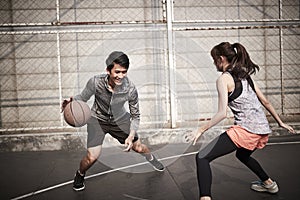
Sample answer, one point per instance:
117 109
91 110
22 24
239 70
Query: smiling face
116 75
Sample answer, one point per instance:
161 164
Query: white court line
122 168
91 176
69 182
279 143
132 197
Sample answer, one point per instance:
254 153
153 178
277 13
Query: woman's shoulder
227 81
225 77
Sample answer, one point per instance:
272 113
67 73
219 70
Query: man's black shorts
117 129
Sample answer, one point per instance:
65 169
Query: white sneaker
259 186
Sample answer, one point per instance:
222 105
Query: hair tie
235 50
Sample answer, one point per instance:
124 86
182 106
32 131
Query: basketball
77 113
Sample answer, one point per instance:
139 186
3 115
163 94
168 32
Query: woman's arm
266 103
222 85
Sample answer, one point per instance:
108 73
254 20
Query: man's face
116 75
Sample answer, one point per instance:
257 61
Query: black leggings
220 146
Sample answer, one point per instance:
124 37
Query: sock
80 173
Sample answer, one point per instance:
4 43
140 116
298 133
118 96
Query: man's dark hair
117 57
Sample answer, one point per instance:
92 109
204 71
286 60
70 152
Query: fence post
58 61
281 60
172 67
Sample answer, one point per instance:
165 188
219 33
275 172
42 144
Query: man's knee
91 158
93 153
139 147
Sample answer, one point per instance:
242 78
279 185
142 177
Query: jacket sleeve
134 109
87 92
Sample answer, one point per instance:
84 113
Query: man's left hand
128 143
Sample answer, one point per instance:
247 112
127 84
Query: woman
251 128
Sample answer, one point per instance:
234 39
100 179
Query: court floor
48 175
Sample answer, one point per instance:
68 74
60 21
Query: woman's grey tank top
248 111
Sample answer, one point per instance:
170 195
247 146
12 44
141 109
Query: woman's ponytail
242 65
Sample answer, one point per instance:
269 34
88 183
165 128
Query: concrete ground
119 175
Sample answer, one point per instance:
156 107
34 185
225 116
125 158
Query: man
111 92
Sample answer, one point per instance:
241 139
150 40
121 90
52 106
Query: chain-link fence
49 49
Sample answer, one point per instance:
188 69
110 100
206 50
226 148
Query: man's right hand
65 102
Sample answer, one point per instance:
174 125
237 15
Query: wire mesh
49 49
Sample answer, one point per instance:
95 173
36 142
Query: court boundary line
122 168
282 143
95 175
133 197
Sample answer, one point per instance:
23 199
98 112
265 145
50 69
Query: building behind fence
49 49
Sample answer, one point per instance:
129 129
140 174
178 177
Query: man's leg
120 131
144 150
90 158
87 161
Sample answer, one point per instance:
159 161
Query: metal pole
172 69
58 63
281 60
57 12
59 76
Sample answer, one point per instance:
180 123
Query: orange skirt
243 138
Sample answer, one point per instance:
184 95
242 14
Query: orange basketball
77 113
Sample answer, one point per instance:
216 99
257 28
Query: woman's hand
197 135
287 127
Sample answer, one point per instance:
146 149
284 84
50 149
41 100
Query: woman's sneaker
259 186
158 166
78 183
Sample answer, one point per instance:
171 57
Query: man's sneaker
78 183
158 166
259 186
